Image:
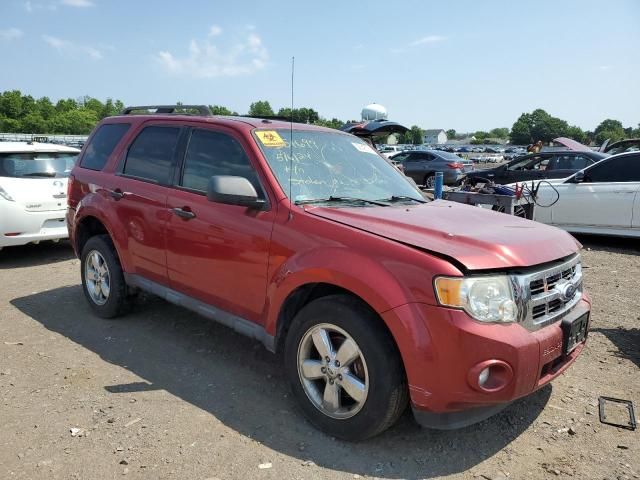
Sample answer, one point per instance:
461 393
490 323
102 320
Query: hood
571 144
477 238
373 127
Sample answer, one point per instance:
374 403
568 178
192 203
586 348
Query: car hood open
477 238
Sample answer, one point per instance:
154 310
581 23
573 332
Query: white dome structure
374 112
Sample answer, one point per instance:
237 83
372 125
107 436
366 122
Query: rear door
218 253
605 198
138 193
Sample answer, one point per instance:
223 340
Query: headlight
487 299
5 195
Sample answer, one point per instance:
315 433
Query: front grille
545 296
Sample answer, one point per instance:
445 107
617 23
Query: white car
33 191
603 199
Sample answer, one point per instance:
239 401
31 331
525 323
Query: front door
218 253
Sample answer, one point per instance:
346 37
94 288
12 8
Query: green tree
11 104
261 108
45 108
537 125
333 123
451 134
33 123
577 134
416 135
300 115
609 129
499 133
220 110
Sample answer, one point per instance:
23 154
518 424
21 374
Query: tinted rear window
150 157
37 164
102 144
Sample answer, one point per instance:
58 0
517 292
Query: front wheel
344 368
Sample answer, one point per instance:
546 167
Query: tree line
25 114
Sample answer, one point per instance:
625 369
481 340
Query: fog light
484 376
490 376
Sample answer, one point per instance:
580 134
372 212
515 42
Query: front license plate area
574 332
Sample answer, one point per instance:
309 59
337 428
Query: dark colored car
422 165
629 145
538 166
305 239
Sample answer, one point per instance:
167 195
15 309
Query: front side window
319 165
213 153
37 164
102 144
151 155
622 169
571 162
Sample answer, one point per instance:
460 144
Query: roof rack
202 110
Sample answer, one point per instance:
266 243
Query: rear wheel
430 181
344 368
102 277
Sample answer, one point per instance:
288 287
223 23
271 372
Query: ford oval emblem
569 292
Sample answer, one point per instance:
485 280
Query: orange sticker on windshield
270 138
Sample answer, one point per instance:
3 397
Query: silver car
422 165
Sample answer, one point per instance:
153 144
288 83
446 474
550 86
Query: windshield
326 165
37 164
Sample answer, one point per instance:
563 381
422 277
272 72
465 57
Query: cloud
31 7
65 47
427 40
208 60
605 67
215 30
11 33
77 3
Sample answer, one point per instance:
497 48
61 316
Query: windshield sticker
270 138
361 147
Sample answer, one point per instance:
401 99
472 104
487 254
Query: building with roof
435 136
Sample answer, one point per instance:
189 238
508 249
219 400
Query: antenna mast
293 62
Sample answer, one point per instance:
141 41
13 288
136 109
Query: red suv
308 240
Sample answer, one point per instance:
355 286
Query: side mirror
578 177
233 191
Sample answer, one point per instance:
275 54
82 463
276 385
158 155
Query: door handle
184 213
116 194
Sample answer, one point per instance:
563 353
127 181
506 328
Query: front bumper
30 226
442 349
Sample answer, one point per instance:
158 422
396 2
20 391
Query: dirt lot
164 394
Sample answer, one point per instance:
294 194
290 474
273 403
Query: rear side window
621 169
102 144
151 155
214 153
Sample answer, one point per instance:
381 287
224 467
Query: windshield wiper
40 174
333 199
398 198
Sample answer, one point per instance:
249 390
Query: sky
466 65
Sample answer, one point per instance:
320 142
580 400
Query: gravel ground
163 393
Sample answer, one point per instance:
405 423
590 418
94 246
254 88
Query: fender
94 205
342 267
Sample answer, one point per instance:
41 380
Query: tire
105 292
376 365
430 178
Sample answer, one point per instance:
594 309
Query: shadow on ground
627 341
242 385
627 246
33 255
